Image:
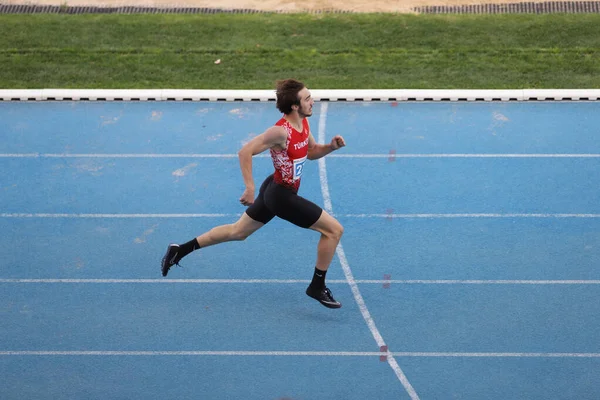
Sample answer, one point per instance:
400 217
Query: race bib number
299 167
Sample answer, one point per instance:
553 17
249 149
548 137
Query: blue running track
468 268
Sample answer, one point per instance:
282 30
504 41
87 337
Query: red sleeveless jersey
289 162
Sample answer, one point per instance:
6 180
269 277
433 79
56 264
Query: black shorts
277 200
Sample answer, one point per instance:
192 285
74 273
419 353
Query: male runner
291 144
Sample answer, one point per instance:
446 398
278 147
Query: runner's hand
247 198
337 142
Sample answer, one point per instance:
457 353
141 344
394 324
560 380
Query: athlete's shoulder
277 130
275 136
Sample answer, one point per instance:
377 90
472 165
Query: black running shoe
170 259
323 296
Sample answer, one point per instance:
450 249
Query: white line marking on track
326 201
83 215
346 266
476 215
305 281
478 282
499 355
341 155
159 281
467 155
289 354
117 155
192 353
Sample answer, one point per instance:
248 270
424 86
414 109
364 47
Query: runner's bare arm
275 136
316 150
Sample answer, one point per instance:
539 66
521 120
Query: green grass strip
332 51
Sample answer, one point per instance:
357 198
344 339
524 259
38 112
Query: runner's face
306 103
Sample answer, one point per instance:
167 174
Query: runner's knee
243 228
335 231
239 234
339 231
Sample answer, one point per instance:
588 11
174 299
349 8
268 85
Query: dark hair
287 94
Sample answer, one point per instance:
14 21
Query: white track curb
318 94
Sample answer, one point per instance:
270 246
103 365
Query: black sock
187 248
318 280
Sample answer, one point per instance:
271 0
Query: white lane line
393 155
305 281
341 155
326 202
118 155
476 215
192 353
499 355
477 282
86 215
348 272
160 281
292 354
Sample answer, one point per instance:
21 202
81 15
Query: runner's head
292 96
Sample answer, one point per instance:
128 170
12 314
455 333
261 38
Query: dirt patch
275 5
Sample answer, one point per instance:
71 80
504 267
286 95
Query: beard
304 112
